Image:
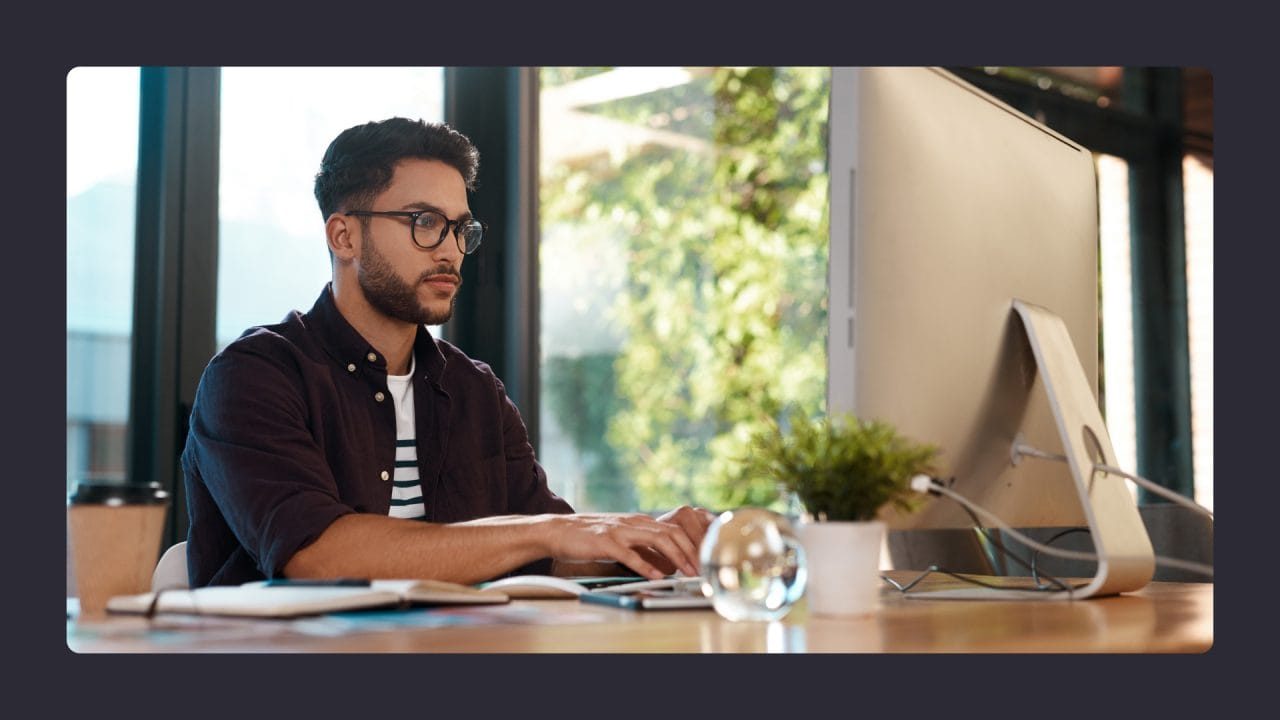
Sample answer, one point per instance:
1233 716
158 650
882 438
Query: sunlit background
603 133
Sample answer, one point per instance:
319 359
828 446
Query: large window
1198 187
683 242
275 126
682 255
1115 384
1117 311
102 166
143 149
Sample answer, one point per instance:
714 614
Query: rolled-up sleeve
252 450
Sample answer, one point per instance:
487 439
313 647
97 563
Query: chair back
171 570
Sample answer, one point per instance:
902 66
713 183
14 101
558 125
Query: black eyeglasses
435 226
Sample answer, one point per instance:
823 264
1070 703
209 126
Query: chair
171 571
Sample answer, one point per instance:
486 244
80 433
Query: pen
611 599
675 583
594 583
331 582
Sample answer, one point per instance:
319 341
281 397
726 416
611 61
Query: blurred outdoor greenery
722 317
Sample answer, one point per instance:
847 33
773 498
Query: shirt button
379 396
351 367
372 357
386 475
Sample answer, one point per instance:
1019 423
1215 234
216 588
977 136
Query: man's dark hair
360 162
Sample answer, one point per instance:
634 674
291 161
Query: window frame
175 276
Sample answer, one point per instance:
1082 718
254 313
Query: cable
1157 489
1060 586
990 546
997 546
926 484
1054 584
1206 570
1020 449
1035 573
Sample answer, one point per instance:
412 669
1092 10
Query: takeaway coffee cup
115 532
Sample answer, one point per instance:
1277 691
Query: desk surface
1163 617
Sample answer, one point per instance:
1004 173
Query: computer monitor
963 267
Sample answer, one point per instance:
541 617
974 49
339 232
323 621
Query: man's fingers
665 538
658 560
678 549
693 521
632 559
622 536
697 520
668 539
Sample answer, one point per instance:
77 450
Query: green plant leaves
841 468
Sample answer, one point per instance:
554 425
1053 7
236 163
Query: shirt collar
346 345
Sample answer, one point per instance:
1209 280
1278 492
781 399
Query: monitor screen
946 206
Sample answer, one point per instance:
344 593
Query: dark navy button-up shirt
286 436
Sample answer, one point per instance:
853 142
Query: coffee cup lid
103 493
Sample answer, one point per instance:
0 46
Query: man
347 441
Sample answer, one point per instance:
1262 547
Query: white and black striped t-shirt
406 493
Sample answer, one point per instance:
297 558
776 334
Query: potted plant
845 472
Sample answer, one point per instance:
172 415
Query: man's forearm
375 546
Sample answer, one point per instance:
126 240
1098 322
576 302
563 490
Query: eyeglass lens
435 226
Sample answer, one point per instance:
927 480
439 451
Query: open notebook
258 599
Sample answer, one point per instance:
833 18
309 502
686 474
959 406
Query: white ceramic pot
844 566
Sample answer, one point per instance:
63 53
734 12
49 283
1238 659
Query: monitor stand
1126 561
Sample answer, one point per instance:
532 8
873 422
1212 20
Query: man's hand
651 547
693 521
468 552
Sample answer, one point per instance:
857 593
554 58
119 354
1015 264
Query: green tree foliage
582 395
724 312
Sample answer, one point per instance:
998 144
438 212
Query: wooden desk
1161 618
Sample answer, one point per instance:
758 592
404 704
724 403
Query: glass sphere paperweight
753 566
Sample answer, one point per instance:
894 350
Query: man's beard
394 297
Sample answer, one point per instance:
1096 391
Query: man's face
400 279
